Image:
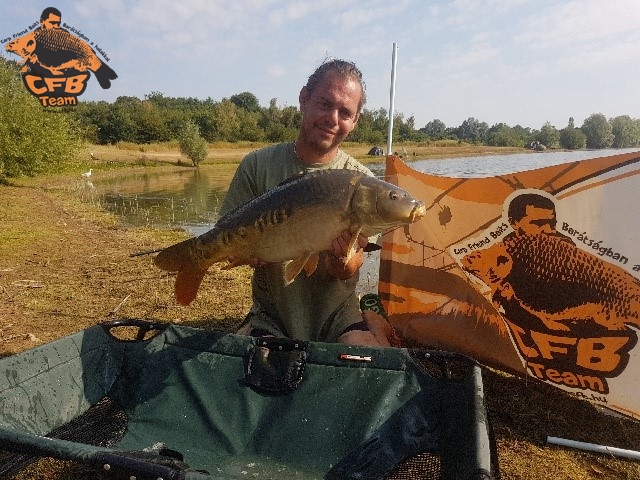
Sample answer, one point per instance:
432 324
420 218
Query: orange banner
534 273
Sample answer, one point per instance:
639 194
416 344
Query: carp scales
558 282
292 223
57 50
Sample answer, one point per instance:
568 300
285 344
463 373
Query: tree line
160 118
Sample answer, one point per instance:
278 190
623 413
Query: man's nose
333 115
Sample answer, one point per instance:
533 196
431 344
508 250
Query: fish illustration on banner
536 273
56 62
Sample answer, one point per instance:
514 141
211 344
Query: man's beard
318 147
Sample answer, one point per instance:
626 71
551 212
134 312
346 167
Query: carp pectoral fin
311 263
187 284
293 267
352 249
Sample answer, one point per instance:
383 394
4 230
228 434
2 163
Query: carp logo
572 315
57 63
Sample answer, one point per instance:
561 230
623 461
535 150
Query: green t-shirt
317 308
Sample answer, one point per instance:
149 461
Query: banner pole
593 447
392 95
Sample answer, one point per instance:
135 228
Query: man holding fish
318 221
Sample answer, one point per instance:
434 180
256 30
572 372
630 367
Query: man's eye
346 115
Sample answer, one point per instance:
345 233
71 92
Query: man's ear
355 119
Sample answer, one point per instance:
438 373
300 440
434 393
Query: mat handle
143 329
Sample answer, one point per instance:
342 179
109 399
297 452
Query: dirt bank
64 266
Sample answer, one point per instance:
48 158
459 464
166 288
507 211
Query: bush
572 138
33 139
192 145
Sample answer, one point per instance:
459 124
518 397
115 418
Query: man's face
537 220
330 112
53 21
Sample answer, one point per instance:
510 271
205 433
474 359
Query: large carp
292 223
558 282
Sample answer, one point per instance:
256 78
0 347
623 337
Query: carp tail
188 283
177 258
104 75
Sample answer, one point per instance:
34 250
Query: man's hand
341 243
337 264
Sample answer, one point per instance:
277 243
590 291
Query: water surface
190 198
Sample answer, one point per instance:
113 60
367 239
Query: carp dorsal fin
292 178
307 261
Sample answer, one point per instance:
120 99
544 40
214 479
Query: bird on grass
87 174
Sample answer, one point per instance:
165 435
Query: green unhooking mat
146 400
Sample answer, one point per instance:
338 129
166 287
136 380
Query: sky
519 62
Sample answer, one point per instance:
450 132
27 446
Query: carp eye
394 196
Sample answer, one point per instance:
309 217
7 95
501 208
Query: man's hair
341 67
48 11
519 204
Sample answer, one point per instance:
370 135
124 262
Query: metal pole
592 447
392 98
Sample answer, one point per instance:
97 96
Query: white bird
87 174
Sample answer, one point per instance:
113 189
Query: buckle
276 365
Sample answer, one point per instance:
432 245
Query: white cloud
579 21
276 70
296 11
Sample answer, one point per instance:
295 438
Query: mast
392 95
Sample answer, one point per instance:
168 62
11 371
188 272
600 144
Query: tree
473 131
572 138
151 124
33 139
118 126
549 136
626 131
502 135
597 131
435 129
192 145
246 101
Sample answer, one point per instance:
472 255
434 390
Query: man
323 306
532 214
50 18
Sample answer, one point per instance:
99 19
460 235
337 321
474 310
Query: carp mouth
419 211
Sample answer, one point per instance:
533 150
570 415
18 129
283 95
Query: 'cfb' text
56 91
602 356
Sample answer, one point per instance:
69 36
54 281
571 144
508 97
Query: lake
190 198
